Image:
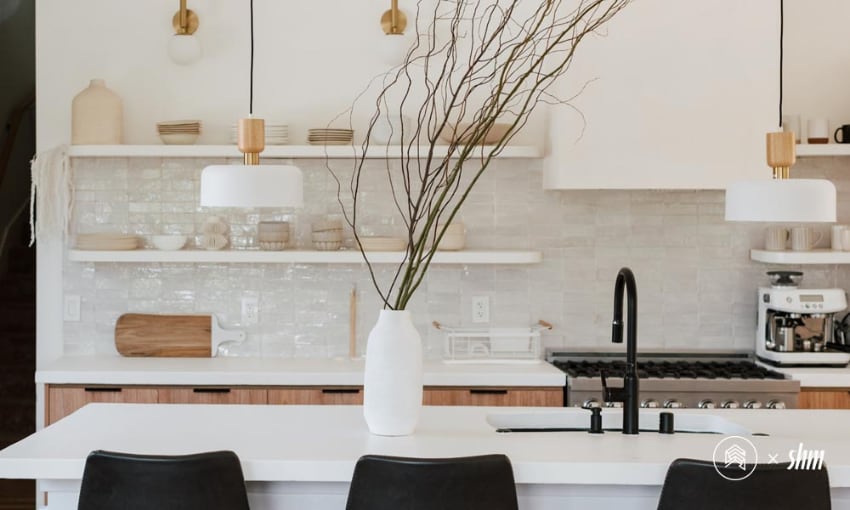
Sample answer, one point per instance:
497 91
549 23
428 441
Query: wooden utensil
179 336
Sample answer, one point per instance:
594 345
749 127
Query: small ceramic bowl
169 242
452 242
327 245
273 245
179 138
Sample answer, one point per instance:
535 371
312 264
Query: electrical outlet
250 311
480 309
71 308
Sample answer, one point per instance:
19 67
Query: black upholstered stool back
695 485
205 481
464 483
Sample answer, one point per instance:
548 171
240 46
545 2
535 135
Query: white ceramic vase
392 387
97 116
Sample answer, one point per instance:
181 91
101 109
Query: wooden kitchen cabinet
213 395
346 395
486 396
64 400
826 398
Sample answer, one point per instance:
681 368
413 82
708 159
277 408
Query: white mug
776 238
804 238
837 238
792 123
817 131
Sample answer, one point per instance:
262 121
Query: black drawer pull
210 390
340 391
102 390
488 392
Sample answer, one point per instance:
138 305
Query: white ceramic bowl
327 245
169 242
497 132
328 235
179 138
273 245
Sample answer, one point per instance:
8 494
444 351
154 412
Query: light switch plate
250 311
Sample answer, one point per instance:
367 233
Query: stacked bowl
327 235
276 133
179 132
325 136
273 235
454 239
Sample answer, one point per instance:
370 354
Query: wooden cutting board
177 336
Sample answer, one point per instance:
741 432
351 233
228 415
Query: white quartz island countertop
279 372
318 445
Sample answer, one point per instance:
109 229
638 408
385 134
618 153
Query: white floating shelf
824 149
275 151
801 257
306 257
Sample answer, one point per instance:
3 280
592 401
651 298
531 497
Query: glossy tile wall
695 280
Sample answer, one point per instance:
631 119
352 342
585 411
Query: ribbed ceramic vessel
97 116
392 387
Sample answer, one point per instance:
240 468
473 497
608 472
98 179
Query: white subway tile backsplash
696 283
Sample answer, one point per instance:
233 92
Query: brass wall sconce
184 47
394 21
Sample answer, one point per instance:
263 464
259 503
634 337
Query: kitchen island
304 456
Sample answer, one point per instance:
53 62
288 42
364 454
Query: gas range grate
669 369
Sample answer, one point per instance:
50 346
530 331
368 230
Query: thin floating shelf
801 257
824 149
293 256
278 151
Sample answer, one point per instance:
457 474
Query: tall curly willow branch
475 62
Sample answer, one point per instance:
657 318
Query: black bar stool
696 485
204 481
465 483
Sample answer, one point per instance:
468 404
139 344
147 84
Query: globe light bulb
184 49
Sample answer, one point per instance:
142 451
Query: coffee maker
795 325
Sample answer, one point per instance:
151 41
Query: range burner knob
590 403
614 404
752 404
775 404
730 404
706 403
673 404
649 403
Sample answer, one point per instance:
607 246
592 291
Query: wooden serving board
178 336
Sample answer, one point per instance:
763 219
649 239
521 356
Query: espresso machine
795 326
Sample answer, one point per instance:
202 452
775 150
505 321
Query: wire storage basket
493 345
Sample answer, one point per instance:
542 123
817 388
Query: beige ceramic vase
97 116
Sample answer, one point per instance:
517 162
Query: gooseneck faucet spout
629 393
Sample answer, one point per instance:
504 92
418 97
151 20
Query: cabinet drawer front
64 400
825 399
485 396
212 395
347 395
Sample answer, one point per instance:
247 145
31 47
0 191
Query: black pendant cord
251 83
781 53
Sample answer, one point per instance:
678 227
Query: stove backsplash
695 280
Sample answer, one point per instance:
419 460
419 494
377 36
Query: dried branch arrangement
474 64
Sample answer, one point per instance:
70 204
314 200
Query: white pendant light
782 199
252 184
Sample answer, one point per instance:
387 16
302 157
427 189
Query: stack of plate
107 242
330 136
276 134
370 243
179 132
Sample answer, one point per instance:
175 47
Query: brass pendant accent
192 23
400 22
251 139
781 153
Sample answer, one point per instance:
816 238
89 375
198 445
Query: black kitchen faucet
629 393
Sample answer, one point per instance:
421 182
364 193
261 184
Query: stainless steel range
679 380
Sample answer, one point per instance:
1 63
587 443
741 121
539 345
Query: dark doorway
17 259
